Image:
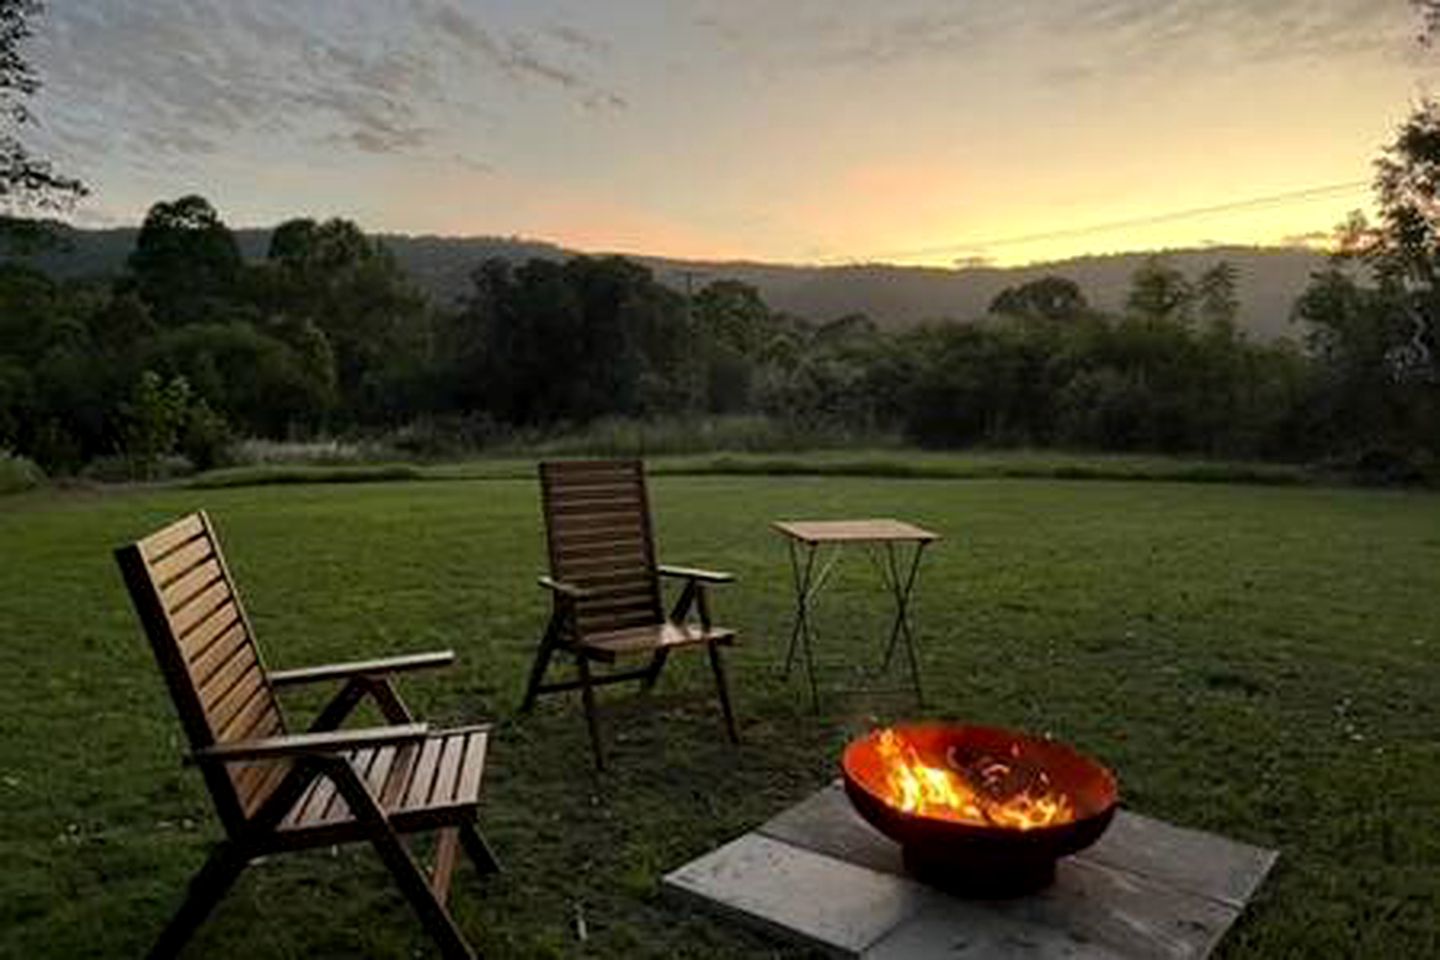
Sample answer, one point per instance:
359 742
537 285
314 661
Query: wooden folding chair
605 587
275 790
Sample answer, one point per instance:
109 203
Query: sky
816 131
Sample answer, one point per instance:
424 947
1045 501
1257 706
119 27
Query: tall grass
674 436
323 451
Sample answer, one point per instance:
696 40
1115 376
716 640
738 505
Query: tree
153 420
1216 297
1049 298
1405 252
1158 291
1429 11
186 264
25 180
330 281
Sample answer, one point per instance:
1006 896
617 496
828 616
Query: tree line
192 346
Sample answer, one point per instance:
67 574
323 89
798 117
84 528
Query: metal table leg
900 629
807 585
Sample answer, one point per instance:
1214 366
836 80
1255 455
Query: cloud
471 164
518 56
1127 36
1240 30
169 82
579 39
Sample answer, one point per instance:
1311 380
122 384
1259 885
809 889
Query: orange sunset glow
930 133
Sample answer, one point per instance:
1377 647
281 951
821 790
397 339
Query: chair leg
397 858
587 694
478 850
722 690
206 889
542 662
422 898
447 843
652 673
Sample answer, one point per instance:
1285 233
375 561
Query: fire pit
979 811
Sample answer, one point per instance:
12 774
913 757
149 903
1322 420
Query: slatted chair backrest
206 650
597 523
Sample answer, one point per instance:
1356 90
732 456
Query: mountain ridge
894 296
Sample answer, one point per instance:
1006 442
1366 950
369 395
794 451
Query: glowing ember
982 790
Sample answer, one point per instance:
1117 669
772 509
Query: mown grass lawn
1263 662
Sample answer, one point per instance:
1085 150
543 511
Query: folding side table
897 538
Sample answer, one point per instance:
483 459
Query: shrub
205 438
18 473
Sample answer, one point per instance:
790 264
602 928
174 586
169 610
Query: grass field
1260 661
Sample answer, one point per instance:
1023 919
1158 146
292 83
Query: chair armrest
695 573
311 744
360 668
565 589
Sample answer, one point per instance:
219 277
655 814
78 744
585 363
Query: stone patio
820 875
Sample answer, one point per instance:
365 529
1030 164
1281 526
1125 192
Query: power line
1271 200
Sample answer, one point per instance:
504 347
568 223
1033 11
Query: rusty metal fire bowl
979 811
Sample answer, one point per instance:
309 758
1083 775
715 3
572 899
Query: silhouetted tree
1158 291
25 180
1049 298
1429 11
1216 298
186 264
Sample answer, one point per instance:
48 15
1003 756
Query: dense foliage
194 345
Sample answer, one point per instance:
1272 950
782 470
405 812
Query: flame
982 792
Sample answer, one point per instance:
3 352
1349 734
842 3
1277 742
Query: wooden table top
853 531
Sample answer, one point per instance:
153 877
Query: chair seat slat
443 790
647 638
449 778
467 785
423 776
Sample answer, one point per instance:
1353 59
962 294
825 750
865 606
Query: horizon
779 264
921 136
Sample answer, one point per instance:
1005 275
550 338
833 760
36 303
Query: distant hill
1269 281
1270 278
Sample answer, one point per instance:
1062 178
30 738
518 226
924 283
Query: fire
984 790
